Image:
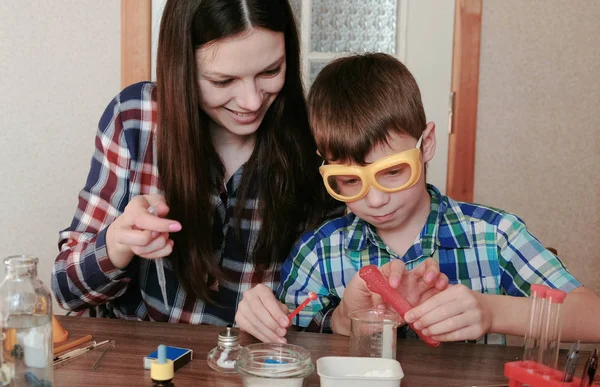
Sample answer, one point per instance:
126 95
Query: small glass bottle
26 319
222 358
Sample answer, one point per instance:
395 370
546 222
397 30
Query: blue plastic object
162 354
33 381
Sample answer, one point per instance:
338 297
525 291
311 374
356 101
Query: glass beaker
26 319
373 333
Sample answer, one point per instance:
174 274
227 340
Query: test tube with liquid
534 329
551 331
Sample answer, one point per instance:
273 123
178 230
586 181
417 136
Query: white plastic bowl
342 371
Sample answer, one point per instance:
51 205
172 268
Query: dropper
160 271
311 297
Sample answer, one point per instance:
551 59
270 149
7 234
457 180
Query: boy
369 124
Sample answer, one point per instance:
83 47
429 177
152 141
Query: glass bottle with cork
26 319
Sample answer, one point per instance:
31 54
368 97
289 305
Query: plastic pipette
311 297
160 271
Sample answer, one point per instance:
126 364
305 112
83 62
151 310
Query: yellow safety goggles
348 183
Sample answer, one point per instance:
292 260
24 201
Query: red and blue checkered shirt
123 166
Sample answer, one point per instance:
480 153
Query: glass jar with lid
271 364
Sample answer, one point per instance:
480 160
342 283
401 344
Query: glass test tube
552 330
533 334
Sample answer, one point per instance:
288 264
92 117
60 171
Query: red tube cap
539 290
556 296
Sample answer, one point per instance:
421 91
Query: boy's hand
416 286
457 313
262 315
421 283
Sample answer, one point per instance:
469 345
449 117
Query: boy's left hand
458 313
421 283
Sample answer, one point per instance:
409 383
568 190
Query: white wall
538 129
59 67
157 10
430 35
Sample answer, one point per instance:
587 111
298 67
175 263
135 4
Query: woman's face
240 77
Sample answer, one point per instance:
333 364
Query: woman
214 168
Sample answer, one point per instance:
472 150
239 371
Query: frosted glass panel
354 25
315 69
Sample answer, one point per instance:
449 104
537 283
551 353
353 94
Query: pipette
311 297
160 271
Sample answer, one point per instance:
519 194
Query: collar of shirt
446 227
232 185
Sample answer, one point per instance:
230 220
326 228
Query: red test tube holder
536 374
520 374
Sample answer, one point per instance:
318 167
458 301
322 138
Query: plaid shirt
488 250
125 165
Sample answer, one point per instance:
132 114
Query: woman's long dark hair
283 168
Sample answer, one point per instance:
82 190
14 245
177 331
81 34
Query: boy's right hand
138 231
421 283
262 315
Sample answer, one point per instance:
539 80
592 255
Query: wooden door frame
136 41
465 85
136 33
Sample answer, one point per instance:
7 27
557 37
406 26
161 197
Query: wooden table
448 365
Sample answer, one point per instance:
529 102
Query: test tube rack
538 368
521 373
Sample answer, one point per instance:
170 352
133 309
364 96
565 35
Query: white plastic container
341 371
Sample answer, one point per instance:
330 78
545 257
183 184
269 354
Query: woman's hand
141 230
262 315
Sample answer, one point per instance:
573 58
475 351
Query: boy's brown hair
357 101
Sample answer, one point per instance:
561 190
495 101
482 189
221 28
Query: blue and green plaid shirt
488 250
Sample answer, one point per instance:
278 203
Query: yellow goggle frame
367 174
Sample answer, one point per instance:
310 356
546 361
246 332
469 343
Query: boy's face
391 210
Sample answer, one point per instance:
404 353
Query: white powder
7 373
35 348
380 373
388 338
249 381
223 362
387 373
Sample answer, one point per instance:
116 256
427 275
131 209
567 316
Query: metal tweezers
110 345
